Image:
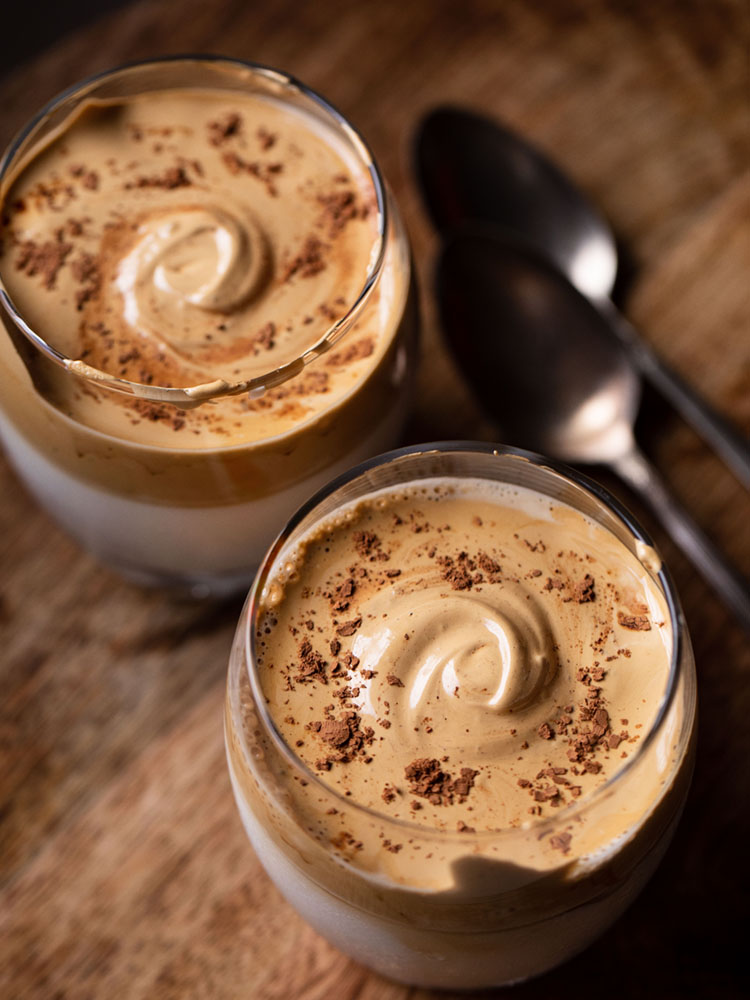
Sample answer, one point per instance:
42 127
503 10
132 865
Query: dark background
31 28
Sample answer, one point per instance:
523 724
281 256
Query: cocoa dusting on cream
464 661
266 173
339 208
265 338
311 260
158 181
428 781
42 259
173 177
224 128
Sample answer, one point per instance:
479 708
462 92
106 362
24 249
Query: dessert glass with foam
460 713
208 312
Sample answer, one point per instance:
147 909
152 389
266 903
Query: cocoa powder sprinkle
43 259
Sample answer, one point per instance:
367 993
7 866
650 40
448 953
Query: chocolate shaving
350 627
334 731
464 783
366 542
546 794
312 666
583 592
265 338
534 546
561 842
601 723
341 596
429 781
222 129
636 623
345 737
459 572
489 566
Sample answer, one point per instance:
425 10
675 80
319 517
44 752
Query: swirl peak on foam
193 257
459 657
203 255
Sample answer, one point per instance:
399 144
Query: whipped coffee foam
154 238
464 656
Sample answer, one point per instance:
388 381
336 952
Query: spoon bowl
473 170
538 353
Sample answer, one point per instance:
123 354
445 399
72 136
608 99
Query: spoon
543 362
473 170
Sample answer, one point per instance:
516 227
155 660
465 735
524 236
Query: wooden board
124 871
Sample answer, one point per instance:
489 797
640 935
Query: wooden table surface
124 870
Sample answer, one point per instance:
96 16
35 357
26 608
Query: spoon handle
635 470
732 446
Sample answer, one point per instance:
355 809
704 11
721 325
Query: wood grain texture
124 871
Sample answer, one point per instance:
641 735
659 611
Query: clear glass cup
496 921
191 517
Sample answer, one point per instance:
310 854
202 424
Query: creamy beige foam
179 238
489 634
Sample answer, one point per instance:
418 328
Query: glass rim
190 396
540 826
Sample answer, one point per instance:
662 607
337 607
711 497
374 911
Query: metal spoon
544 363
474 170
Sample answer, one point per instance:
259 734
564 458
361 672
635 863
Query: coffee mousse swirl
204 257
180 238
462 656
465 661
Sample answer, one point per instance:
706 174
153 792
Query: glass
200 518
499 921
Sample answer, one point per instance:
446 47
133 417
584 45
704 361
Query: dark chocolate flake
561 842
350 627
636 623
584 591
